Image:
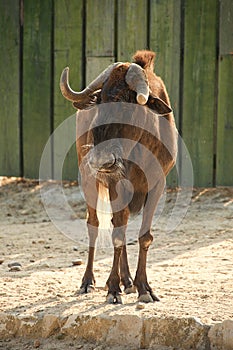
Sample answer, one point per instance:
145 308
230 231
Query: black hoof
114 299
86 288
148 298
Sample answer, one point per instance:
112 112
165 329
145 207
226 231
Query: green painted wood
165 19
100 36
224 170
199 86
95 65
100 21
226 27
132 24
36 82
224 164
9 88
165 41
68 51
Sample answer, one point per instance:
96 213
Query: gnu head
121 82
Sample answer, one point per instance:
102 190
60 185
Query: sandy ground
190 268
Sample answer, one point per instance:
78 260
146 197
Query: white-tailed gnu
127 143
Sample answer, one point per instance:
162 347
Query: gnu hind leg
125 275
119 221
145 292
88 280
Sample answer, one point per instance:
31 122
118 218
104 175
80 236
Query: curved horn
95 85
137 81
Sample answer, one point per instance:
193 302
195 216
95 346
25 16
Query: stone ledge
131 330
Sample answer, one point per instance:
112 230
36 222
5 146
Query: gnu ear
158 105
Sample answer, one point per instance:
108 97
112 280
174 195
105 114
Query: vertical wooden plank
165 33
199 86
36 82
68 51
224 170
9 88
132 24
224 164
100 36
100 28
165 17
226 27
96 65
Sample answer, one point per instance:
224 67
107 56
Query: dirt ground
190 268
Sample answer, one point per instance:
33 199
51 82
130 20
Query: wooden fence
194 45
